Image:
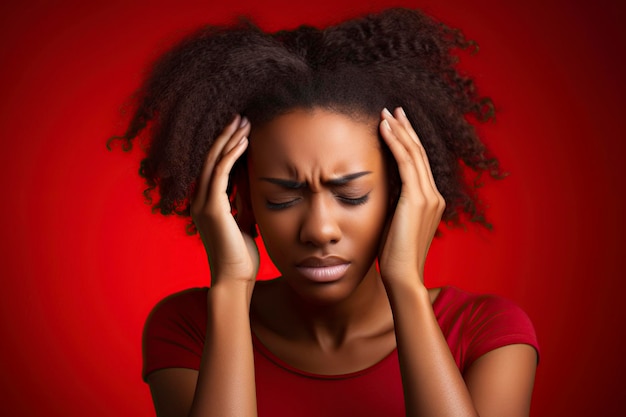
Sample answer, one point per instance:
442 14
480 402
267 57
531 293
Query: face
319 194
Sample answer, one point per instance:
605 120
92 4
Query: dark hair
399 57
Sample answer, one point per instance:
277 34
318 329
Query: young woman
291 133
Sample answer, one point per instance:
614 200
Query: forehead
315 141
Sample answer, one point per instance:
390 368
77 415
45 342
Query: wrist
410 289
230 291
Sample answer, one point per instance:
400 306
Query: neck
364 313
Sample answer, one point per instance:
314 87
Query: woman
347 201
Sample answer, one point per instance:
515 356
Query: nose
319 225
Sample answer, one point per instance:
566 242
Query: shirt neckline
263 350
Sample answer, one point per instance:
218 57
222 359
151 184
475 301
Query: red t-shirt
472 325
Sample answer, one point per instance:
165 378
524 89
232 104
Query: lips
326 269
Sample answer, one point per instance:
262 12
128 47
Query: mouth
323 269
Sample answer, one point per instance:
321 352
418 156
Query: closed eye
279 206
356 201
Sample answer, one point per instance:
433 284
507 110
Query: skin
303 198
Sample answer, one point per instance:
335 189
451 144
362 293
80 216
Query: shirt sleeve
174 332
495 322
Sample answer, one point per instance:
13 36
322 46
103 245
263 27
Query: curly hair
399 57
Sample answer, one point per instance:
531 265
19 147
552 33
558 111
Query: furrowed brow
295 185
290 184
347 178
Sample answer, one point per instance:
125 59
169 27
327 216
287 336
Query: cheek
275 228
278 241
373 224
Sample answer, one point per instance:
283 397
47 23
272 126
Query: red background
83 260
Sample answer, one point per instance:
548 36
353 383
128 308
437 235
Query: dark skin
321 328
311 174
282 328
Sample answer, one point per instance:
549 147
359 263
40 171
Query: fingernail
387 112
386 124
243 122
402 111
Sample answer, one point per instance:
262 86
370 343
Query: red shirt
472 325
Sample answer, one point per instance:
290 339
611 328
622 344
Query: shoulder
174 331
185 307
454 301
475 324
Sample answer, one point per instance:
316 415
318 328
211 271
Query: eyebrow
295 185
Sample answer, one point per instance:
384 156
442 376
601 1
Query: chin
325 294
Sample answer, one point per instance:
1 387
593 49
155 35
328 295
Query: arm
498 383
433 385
224 384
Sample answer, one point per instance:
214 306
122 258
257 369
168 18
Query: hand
419 208
232 253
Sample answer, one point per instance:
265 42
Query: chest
283 390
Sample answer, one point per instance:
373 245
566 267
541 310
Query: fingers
232 255
412 160
400 115
220 177
224 151
420 206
